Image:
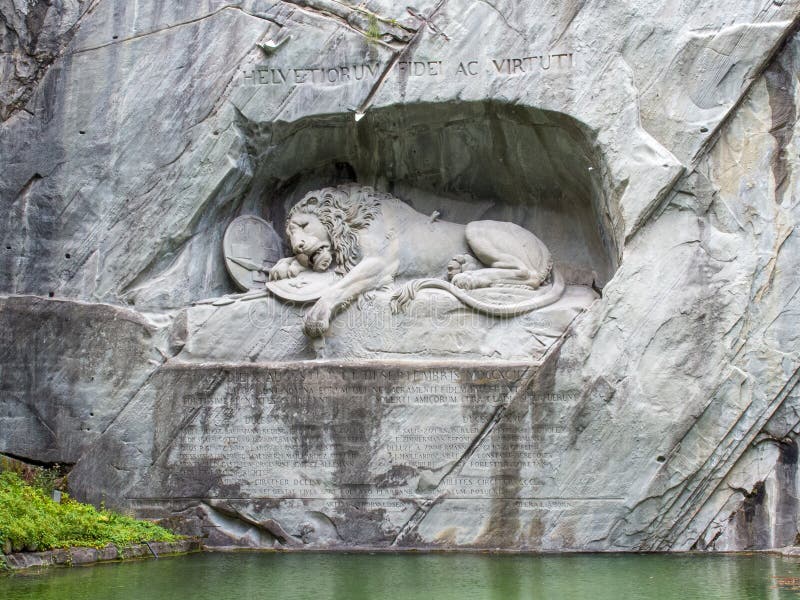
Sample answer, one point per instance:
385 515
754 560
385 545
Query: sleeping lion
372 239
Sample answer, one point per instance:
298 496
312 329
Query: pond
251 576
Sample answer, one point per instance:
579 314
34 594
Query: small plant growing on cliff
373 30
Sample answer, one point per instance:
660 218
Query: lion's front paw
286 268
317 319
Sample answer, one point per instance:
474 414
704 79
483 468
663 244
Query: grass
31 520
373 30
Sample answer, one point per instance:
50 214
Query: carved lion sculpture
372 238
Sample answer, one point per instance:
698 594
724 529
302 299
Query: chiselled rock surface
266 387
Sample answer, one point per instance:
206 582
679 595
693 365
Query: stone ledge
68 557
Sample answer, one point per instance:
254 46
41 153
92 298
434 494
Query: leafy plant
31 520
49 480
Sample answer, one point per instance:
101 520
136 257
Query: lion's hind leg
512 255
482 278
461 263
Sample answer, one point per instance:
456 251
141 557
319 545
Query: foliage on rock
31 520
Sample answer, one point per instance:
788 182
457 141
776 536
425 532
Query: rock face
649 148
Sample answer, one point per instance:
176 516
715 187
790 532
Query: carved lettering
334 75
468 68
267 75
501 65
260 429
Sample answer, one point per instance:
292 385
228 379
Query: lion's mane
344 211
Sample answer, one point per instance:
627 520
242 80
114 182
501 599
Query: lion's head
325 225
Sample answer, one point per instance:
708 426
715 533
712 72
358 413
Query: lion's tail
547 297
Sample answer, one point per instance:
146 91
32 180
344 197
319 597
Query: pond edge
68 557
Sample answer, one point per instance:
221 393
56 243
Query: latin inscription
266 75
370 71
367 433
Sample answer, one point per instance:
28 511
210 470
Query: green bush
31 520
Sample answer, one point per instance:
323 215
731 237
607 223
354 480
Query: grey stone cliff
649 146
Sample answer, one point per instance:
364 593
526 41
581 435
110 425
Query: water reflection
406 577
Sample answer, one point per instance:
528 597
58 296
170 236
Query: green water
419 577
